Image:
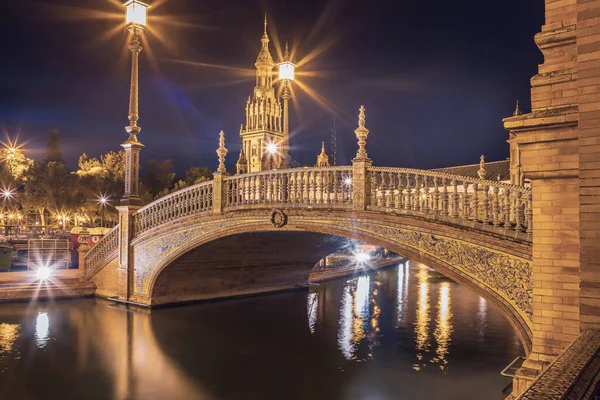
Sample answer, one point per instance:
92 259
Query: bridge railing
329 187
189 201
437 194
102 251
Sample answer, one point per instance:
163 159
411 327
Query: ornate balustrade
189 201
454 198
299 187
101 252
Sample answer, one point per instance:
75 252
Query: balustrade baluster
465 201
417 195
399 200
518 213
474 203
436 197
380 196
408 199
312 178
485 215
507 221
495 206
389 199
425 195
455 198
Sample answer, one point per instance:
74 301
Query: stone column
125 269
361 182
82 251
218 193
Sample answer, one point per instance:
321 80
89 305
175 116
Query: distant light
272 148
7 193
362 257
137 13
287 71
348 181
37 222
424 196
43 273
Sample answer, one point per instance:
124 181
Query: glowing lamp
42 273
272 148
348 181
362 257
287 71
137 13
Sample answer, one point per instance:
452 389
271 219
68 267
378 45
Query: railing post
361 183
125 270
219 194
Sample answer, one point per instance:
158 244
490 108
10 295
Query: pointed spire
265 32
481 173
361 134
286 55
221 152
517 111
323 158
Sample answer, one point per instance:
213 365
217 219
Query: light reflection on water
404 330
42 329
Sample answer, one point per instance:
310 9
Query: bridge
476 231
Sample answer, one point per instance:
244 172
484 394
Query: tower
323 158
262 135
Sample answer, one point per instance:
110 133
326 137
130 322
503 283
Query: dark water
401 333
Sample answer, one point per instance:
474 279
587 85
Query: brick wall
588 88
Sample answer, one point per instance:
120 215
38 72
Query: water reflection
371 336
312 308
402 291
422 322
9 333
42 329
443 329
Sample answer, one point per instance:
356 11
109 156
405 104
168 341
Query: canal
401 333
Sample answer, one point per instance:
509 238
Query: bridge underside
243 264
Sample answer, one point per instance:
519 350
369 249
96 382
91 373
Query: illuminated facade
263 137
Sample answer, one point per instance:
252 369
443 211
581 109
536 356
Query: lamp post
136 19
287 74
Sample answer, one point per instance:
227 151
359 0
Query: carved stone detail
278 219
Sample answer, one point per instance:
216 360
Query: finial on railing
361 134
481 173
221 152
517 111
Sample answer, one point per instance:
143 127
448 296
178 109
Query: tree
193 176
51 188
158 177
15 162
53 150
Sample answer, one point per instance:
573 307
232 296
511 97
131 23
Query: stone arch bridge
265 231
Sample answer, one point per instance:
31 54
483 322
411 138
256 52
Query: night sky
436 77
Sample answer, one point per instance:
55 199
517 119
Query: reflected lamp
137 13
287 71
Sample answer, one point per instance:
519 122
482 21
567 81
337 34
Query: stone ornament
278 219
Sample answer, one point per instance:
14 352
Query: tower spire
265 32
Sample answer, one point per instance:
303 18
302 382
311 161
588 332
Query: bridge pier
125 268
557 147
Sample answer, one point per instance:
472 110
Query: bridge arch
492 266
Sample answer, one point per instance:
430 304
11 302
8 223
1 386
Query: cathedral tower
262 135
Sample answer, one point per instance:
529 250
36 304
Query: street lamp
137 13
287 74
272 148
136 18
